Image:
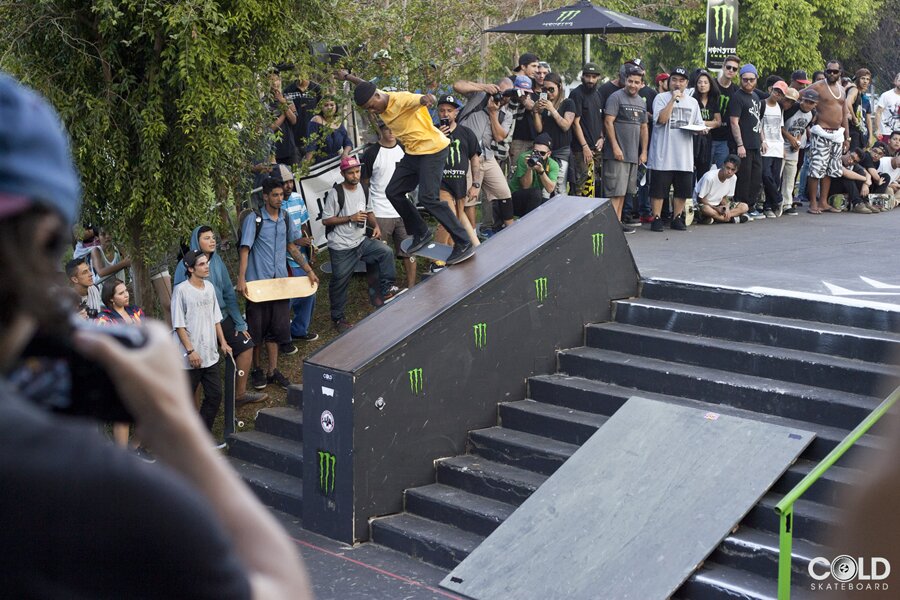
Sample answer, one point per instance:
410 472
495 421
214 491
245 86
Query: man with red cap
423 164
347 211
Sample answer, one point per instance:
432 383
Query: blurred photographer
534 180
82 281
73 504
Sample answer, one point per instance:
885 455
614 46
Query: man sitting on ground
714 192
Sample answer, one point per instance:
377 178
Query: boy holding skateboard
197 320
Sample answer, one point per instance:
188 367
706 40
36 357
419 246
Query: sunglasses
731 68
550 89
833 71
748 79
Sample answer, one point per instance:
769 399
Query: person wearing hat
671 156
799 80
533 181
347 212
797 119
773 149
202 530
587 129
744 113
662 83
423 164
462 163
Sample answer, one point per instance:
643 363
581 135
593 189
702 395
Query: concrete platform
849 258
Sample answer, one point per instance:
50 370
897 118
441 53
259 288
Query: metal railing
785 508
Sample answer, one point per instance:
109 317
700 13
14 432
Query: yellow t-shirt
412 125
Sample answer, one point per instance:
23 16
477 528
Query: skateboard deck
359 268
690 211
432 250
282 288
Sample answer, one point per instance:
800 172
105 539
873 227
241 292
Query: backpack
342 198
259 221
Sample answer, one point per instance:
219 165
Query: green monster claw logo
416 381
454 156
597 238
724 20
480 334
567 15
540 288
327 462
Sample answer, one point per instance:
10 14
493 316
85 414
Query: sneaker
277 378
144 454
309 337
342 325
791 211
646 218
437 266
221 445
250 398
872 207
287 349
740 219
630 220
627 228
769 213
258 379
862 209
392 293
678 224
657 225
420 242
753 215
460 253
707 221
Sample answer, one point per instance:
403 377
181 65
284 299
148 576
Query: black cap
590 69
363 92
449 99
679 71
544 139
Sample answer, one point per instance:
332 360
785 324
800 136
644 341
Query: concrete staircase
806 364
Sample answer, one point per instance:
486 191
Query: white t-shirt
382 170
889 102
713 189
796 125
672 148
884 166
772 122
198 311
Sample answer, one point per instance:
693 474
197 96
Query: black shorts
269 321
661 181
456 187
236 339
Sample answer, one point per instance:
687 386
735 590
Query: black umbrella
583 18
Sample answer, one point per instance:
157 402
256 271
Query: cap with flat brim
363 92
449 99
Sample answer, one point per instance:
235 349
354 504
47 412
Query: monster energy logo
597 238
454 156
567 15
724 20
327 462
480 334
415 381
540 288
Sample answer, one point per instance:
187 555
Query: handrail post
785 545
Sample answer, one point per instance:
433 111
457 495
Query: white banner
314 187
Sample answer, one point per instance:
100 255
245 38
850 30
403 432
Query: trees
160 97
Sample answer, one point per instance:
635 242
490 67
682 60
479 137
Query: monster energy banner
721 31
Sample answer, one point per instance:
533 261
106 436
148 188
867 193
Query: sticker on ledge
794 436
327 376
711 416
327 391
327 421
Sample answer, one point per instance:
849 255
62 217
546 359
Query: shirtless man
829 138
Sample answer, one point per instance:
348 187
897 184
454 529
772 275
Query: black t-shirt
708 110
747 108
560 139
589 108
866 161
649 95
463 147
285 149
608 89
305 102
723 133
85 519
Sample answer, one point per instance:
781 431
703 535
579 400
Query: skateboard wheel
240 372
240 424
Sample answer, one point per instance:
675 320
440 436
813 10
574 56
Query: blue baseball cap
522 82
36 164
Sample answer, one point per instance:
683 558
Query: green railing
785 508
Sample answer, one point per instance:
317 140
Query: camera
92 313
89 390
513 94
444 123
535 159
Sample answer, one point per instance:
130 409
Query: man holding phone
714 194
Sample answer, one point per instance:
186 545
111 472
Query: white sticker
327 391
327 421
711 416
327 376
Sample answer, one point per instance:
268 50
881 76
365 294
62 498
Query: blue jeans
804 174
343 263
301 309
719 152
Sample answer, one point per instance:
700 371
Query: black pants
426 171
771 178
521 203
749 178
853 189
212 392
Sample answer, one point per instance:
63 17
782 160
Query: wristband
476 185
585 146
189 352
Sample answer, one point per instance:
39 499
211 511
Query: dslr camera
535 159
514 95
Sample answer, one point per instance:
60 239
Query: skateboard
232 423
359 268
432 250
839 201
690 211
282 288
884 201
